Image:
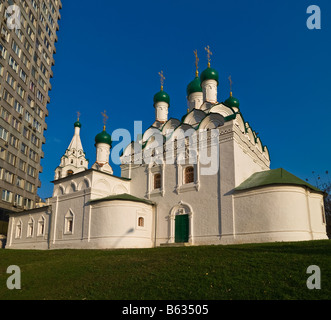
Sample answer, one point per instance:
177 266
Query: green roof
161 96
209 74
122 197
77 124
232 102
273 177
103 137
194 86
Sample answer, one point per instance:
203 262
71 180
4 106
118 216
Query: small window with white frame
30 227
141 219
157 181
141 222
41 226
188 178
19 227
69 223
189 174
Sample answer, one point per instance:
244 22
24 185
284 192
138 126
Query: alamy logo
14 281
170 147
314 281
13 14
314 21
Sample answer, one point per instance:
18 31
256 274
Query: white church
159 202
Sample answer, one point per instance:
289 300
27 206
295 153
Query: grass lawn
253 271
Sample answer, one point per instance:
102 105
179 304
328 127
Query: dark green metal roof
161 96
209 74
122 197
103 137
274 177
194 86
77 124
232 102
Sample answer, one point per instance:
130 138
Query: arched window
18 230
141 222
69 223
30 227
41 226
189 174
70 173
157 181
58 191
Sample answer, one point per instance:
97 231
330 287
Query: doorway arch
181 224
181 228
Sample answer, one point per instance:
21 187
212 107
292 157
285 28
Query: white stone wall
105 184
114 224
195 100
278 213
102 152
161 111
73 204
94 185
209 89
317 215
209 200
100 184
37 239
70 197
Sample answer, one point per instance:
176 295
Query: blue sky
109 55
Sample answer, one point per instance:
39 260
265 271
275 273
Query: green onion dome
194 86
209 74
161 96
232 102
103 137
77 124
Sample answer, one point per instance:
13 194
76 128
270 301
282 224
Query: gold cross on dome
105 118
162 78
78 115
196 62
209 53
230 80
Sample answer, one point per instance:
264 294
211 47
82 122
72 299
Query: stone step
179 244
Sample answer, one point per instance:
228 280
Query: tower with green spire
161 102
209 81
194 90
231 102
103 137
73 160
103 144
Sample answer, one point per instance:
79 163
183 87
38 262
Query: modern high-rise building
27 45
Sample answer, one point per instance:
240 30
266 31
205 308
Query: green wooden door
181 228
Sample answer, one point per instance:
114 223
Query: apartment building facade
27 45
